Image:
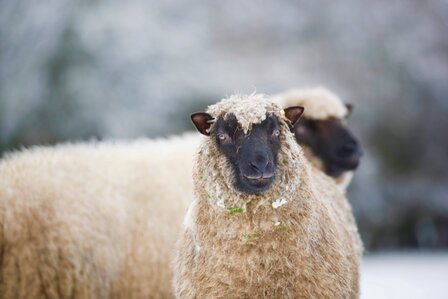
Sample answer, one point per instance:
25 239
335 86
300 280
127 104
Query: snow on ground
405 275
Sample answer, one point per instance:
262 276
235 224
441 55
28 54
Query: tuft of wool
319 102
249 110
296 240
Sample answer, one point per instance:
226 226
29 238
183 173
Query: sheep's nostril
260 162
348 149
256 166
260 172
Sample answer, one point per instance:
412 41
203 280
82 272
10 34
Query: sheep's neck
341 181
255 228
259 218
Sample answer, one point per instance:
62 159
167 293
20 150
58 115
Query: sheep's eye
276 132
222 136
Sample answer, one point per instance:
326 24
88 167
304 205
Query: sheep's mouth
258 181
349 163
346 160
337 168
259 177
256 184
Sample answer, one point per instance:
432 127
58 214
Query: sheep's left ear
202 122
349 109
293 114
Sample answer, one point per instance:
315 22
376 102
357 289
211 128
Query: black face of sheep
332 142
253 156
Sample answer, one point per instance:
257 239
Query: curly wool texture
248 110
95 220
320 104
237 245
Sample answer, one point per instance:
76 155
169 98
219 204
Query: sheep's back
92 220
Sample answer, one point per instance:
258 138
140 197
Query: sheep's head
251 151
332 142
322 130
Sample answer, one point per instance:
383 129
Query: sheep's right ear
202 122
293 114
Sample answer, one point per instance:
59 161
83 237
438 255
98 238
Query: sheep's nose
259 163
348 149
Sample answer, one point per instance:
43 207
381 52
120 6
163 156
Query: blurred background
77 70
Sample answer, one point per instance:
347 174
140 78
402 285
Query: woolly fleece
296 240
63 227
95 220
320 104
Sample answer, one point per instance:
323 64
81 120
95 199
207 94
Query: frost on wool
279 202
189 223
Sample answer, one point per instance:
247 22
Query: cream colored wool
37 199
296 240
320 104
95 220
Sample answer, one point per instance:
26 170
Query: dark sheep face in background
253 156
332 142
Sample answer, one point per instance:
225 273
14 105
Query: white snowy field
405 275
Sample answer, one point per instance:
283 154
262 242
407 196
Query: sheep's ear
202 122
293 114
349 109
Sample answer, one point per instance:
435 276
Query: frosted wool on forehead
248 109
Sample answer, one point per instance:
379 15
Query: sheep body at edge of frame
93 220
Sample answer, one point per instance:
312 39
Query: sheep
111 216
93 220
327 142
263 222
